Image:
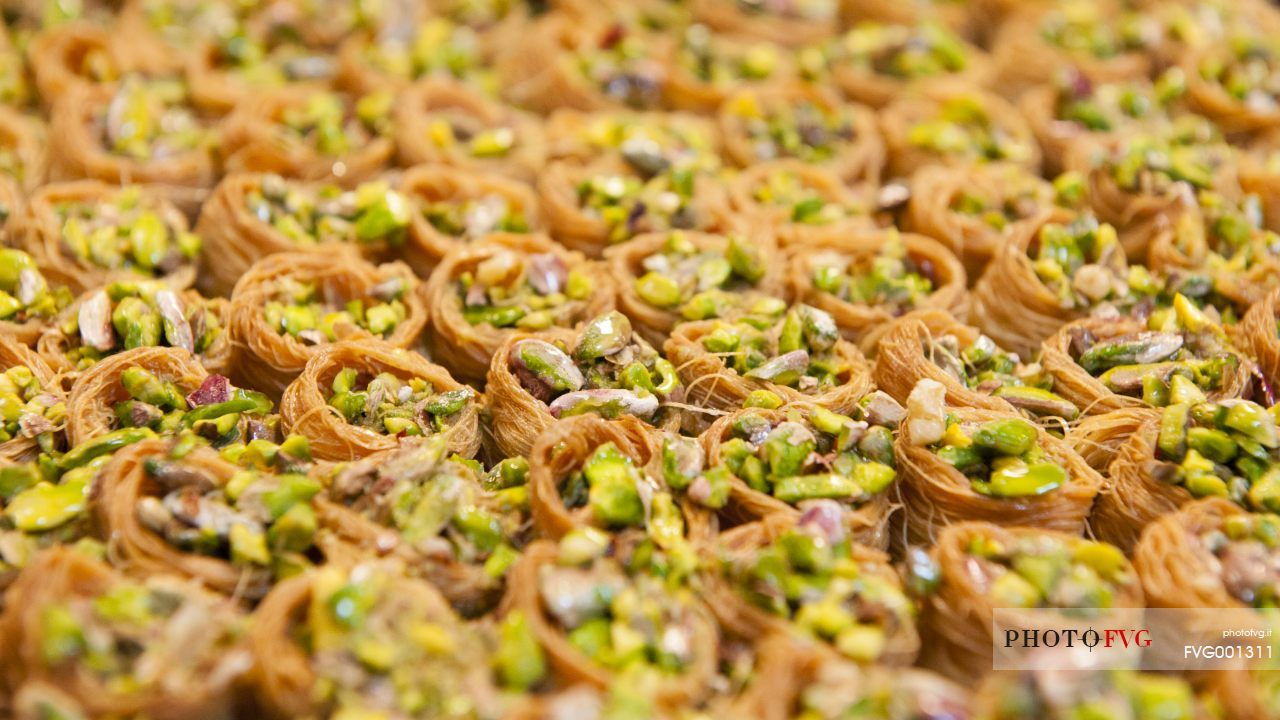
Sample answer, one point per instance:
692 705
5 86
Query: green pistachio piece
1014 591
248 546
145 386
550 364
961 458
1172 438
1264 494
17 477
827 421
863 643
1012 437
1155 391
385 217
876 445
820 331
763 399
582 545
62 636
707 305
1042 571
451 402
722 340
295 530
658 290
616 504
479 526
636 377
787 448
874 477
498 316
613 496
247 401
682 461
791 334
149 240
135 322
511 472
718 486
292 491
381 319
12 264
668 378
46 506
713 272
666 523
745 259
603 336
1038 401
1213 444
592 638
1254 422
1207 485
1107 560
519 659
1182 389
1163 697
1018 479
87 451
793 489
786 369
345 380
1142 348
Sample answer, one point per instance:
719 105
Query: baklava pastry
452 208
235 527
799 357
976 567
783 575
84 234
138 130
87 640
445 122
1188 450
874 63
799 202
311 134
354 399
481 295
311 640
806 123
587 473
959 464
1178 353
289 306
127 315
452 524
955 126
666 639
35 405
801 460
252 215
974 371
667 278
974 210
603 368
867 279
